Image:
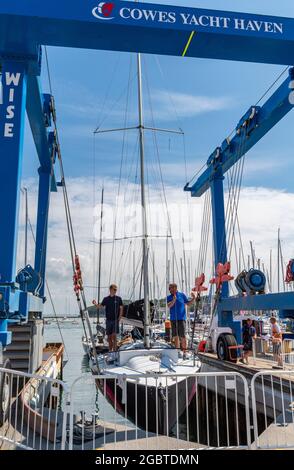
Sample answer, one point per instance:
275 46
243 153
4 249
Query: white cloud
256 162
166 106
187 105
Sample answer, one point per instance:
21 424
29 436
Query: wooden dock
255 365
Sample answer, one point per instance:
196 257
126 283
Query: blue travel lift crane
116 26
22 294
254 125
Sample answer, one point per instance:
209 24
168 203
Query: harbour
144 306
223 396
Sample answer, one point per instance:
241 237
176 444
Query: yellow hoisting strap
188 43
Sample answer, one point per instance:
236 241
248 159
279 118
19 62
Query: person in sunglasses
113 311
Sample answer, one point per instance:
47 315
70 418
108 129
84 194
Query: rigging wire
235 182
231 190
110 82
256 104
161 178
157 61
235 205
272 85
111 108
50 296
120 171
80 294
205 227
94 205
133 195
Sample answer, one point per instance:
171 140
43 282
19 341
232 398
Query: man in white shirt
277 341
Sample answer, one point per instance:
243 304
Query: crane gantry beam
145 27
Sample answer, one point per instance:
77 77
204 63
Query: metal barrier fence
273 409
151 411
31 411
157 411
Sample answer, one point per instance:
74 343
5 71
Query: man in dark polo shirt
114 310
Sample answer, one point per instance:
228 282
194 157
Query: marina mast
143 205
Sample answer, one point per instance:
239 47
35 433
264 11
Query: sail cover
134 313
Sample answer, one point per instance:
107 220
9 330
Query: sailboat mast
278 260
134 274
100 245
143 204
166 276
271 272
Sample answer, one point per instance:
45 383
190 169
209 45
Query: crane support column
218 220
225 318
12 118
42 225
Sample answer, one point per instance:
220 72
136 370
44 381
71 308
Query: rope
71 237
161 176
236 199
231 218
205 226
50 296
272 85
231 190
110 82
195 315
120 175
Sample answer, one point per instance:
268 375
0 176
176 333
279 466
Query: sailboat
146 381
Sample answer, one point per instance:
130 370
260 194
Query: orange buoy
167 325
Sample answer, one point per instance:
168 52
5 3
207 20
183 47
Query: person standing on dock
249 334
114 311
177 302
277 341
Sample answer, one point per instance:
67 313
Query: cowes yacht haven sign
108 11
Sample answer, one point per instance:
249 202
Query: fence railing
31 411
273 409
158 411
151 411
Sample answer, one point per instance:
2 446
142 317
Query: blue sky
81 80
206 98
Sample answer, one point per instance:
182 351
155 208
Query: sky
203 98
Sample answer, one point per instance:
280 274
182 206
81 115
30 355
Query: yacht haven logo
103 11
194 18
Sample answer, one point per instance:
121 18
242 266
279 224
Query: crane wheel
224 341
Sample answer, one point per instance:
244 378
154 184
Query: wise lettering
11 81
